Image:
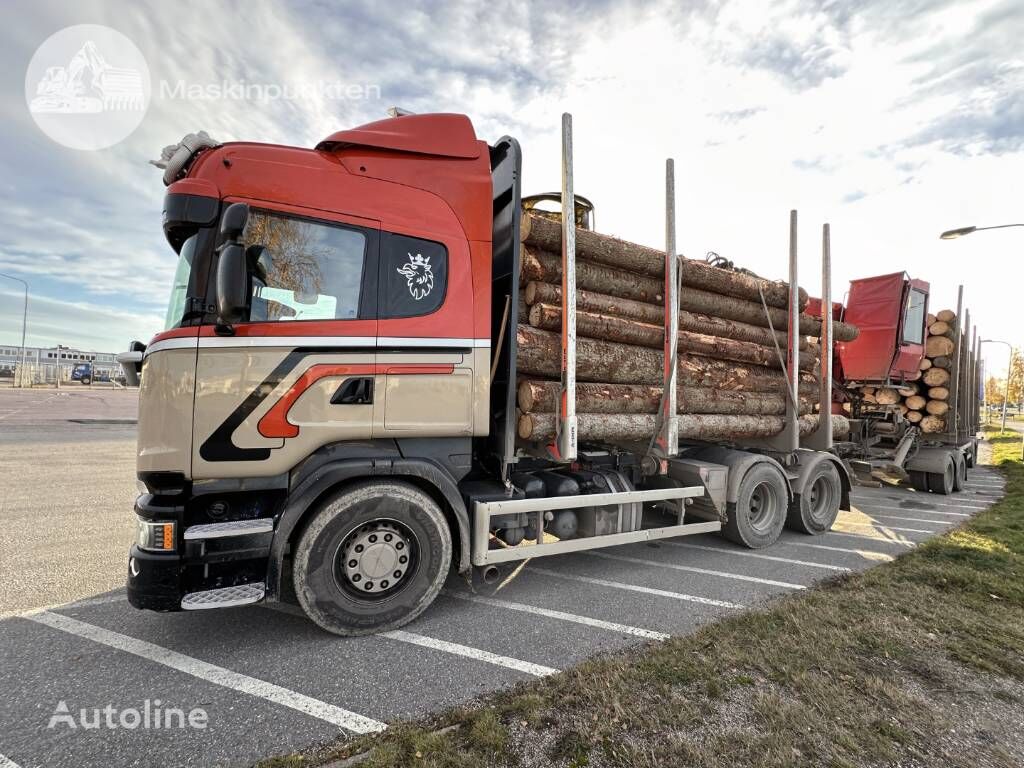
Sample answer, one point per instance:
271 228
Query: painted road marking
917 511
886 527
740 553
438 645
625 629
211 673
902 542
636 588
933 502
6 762
25 614
910 519
470 653
867 554
692 569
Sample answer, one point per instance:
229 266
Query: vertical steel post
668 440
792 433
821 438
565 438
972 428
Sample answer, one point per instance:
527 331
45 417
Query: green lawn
920 660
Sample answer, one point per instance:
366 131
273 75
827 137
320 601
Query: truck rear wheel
372 559
760 511
942 482
815 509
960 473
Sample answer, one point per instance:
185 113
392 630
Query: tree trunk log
536 396
908 390
925 363
609 328
914 416
932 424
940 328
916 402
544 267
619 254
937 407
938 393
945 315
942 362
887 396
606 361
938 346
936 377
636 427
547 293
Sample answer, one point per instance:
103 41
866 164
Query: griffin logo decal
418 275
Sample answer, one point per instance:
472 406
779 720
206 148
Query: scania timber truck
333 402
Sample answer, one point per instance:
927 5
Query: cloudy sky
891 121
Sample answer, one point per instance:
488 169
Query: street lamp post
953 234
24 324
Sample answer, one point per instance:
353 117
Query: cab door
297 374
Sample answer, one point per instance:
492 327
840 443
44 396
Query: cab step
224 597
232 528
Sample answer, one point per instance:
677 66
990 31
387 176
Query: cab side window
413 276
913 318
308 270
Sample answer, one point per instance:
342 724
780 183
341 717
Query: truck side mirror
232 285
232 223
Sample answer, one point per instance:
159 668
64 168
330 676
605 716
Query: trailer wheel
815 510
960 472
760 511
918 480
372 559
942 482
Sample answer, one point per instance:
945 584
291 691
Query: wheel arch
740 463
329 478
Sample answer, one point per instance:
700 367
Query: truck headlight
155 536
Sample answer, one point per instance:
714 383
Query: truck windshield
179 287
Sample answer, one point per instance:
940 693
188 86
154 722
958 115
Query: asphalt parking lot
266 679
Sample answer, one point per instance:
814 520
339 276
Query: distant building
46 361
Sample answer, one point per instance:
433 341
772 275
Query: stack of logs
925 399
731 382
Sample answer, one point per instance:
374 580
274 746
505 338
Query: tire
918 480
760 512
942 483
86 381
333 568
815 510
960 472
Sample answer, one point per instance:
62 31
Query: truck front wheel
372 559
760 512
815 509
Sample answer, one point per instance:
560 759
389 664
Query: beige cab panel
265 377
165 423
429 404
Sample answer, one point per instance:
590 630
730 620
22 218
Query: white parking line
25 614
692 569
211 673
625 629
902 542
931 501
910 519
915 511
6 762
636 588
885 527
470 653
867 554
742 553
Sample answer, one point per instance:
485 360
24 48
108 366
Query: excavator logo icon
87 86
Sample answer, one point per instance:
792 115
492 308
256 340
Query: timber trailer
357 438
891 311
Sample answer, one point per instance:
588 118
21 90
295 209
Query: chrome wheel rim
376 559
